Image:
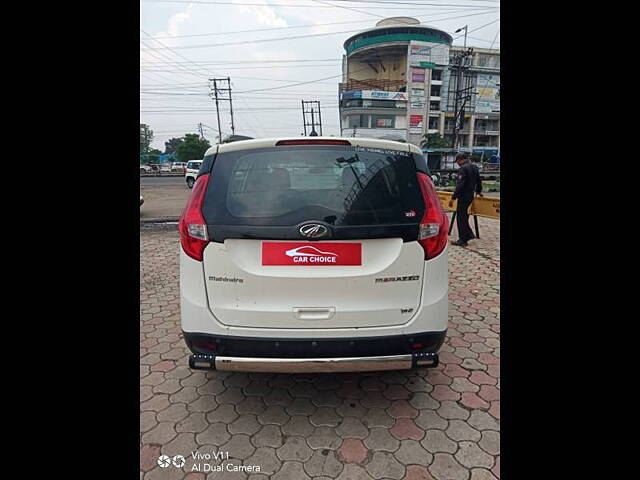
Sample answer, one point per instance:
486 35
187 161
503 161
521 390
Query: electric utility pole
201 132
222 94
312 112
462 92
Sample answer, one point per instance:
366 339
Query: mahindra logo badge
313 230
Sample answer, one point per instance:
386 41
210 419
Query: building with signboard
395 85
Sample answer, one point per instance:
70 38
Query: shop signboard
416 121
428 54
488 90
417 75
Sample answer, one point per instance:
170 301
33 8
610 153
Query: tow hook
202 362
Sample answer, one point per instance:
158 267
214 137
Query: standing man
468 182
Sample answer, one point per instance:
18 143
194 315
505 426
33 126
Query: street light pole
465 28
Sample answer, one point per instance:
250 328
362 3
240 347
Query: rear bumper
312 365
214 352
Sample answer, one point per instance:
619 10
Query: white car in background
191 172
321 254
178 167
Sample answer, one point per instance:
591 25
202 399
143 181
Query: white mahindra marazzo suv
312 255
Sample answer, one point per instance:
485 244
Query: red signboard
311 253
415 120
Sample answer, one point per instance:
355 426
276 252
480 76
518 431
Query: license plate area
310 254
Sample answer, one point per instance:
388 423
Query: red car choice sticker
311 253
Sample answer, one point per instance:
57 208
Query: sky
183 44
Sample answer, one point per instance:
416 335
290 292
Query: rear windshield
338 185
192 165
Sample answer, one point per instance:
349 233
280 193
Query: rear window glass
288 185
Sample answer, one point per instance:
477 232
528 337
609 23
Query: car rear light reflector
192 226
428 230
198 231
205 345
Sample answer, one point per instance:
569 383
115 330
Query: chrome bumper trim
313 365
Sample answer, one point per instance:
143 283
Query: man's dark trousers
462 217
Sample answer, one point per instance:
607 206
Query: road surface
164 197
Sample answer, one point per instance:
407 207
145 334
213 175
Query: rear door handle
313 313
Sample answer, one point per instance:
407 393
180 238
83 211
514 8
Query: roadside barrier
487 207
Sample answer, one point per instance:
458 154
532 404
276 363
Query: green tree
154 155
171 146
146 137
151 157
434 140
192 148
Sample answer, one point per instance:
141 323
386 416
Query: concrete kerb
159 220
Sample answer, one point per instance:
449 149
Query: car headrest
279 179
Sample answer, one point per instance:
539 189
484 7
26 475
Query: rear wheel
190 182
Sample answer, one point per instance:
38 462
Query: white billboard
428 54
488 89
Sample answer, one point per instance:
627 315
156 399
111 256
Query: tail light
193 228
434 227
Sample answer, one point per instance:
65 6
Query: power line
177 54
269 95
249 121
291 85
480 28
494 39
273 79
244 42
349 8
289 27
162 55
408 4
242 62
259 67
297 37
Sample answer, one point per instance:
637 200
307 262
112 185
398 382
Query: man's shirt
468 181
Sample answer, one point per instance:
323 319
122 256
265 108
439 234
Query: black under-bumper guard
213 352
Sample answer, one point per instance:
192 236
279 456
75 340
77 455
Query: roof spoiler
236 138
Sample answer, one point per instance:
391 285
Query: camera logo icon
164 461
